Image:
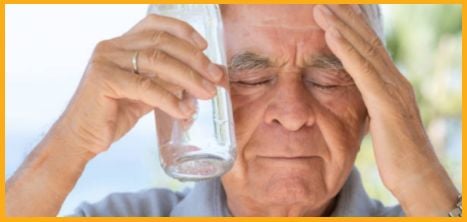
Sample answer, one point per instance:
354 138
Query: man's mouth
287 157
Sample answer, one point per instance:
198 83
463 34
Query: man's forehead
285 34
280 16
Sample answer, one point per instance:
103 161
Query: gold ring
134 62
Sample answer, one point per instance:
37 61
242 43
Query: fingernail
356 9
325 10
199 41
209 87
333 31
215 72
185 108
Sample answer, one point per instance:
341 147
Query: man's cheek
248 115
345 113
355 114
338 100
332 129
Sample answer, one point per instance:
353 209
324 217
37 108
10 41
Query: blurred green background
425 42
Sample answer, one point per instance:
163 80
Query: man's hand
111 98
406 161
108 103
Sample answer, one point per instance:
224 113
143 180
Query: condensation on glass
204 146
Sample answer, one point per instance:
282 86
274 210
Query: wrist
41 184
65 145
428 193
58 153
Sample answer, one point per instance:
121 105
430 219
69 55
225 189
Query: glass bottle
204 146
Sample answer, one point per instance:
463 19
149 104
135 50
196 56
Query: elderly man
307 84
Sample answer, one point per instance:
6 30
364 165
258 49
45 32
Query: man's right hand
111 97
108 102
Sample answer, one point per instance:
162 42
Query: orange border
2 104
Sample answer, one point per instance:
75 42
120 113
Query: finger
173 26
374 52
172 88
125 85
138 108
174 46
359 68
155 62
354 17
224 81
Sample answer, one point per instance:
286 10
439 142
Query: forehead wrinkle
252 61
287 27
284 16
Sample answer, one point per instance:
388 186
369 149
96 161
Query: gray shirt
207 198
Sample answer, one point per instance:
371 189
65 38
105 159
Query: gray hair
372 12
375 18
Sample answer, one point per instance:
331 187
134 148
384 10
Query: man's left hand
406 161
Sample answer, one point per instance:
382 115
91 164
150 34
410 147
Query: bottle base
196 167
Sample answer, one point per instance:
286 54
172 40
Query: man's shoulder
148 202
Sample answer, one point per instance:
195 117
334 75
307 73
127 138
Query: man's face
299 117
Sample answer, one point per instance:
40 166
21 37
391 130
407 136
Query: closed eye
267 81
322 86
253 83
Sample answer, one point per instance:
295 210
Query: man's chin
293 188
294 184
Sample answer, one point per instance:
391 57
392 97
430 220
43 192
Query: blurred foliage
425 42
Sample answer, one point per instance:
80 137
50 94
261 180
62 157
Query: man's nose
291 106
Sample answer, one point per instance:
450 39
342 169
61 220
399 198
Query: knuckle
159 37
348 11
190 74
199 57
185 28
157 56
333 19
195 52
163 98
151 17
102 51
103 46
370 51
374 46
349 49
367 68
168 98
145 85
204 62
376 43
